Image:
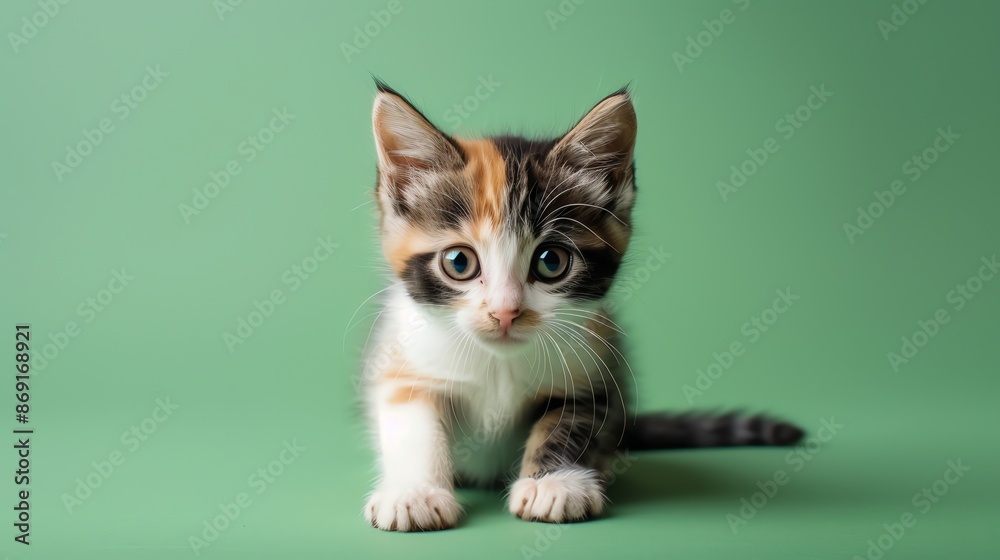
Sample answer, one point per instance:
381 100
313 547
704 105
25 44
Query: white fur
487 387
486 379
419 508
418 454
414 491
556 497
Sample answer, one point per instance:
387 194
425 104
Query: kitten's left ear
407 143
603 139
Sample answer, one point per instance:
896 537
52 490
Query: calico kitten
495 353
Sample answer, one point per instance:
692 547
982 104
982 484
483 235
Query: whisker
592 394
364 349
603 316
618 354
588 229
596 320
355 314
562 411
590 206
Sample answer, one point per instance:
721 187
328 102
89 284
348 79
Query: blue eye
460 263
551 263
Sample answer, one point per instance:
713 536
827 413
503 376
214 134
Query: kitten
495 354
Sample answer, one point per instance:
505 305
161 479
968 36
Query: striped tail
701 430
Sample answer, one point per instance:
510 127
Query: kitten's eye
460 263
551 263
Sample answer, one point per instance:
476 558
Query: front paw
426 508
564 495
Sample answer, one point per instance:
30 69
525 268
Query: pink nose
506 317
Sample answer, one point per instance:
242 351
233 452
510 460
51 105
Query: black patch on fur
578 437
537 199
542 408
453 211
516 148
448 204
699 430
595 276
755 426
524 163
423 285
443 205
786 434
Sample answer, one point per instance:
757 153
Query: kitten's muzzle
506 318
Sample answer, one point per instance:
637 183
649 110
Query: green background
162 336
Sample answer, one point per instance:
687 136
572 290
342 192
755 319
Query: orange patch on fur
488 173
399 246
529 318
541 432
407 385
408 393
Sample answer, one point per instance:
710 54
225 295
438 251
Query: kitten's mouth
504 340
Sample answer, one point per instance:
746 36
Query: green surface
64 234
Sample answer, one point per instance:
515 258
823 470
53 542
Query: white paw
563 495
427 508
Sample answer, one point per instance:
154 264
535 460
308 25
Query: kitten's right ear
603 139
408 144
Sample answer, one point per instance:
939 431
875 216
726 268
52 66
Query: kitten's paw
427 508
564 495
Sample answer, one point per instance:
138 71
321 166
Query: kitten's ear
603 139
407 143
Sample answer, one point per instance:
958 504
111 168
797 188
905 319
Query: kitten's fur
507 372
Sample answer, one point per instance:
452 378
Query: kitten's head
505 236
